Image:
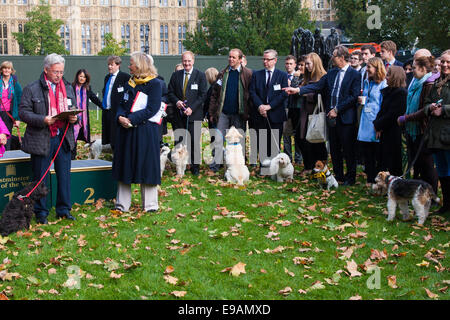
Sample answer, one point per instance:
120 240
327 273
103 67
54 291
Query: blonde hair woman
367 136
136 155
11 92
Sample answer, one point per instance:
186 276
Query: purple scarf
82 117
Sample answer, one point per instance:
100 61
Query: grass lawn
211 240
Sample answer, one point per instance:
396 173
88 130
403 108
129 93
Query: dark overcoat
136 152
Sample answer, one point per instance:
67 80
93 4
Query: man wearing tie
388 52
340 88
269 104
187 91
112 93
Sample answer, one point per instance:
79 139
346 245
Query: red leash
57 151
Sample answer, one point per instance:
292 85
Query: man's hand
125 122
3 139
263 109
180 104
290 90
188 111
378 135
72 119
332 114
437 111
49 120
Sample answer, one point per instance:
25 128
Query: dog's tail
88 145
434 198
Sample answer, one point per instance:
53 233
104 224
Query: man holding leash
41 100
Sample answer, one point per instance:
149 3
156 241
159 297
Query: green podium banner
90 180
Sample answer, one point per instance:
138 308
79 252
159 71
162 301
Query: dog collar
390 179
234 143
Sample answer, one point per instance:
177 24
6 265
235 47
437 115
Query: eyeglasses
268 59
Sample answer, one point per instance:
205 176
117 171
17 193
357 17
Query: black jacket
33 109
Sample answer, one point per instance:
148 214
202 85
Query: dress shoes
42 220
349 183
66 216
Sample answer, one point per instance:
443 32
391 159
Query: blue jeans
62 166
442 161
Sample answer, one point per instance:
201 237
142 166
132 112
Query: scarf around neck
10 87
82 117
413 101
133 82
57 103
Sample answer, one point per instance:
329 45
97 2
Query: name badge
69 102
120 89
125 96
276 87
219 82
367 109
194 86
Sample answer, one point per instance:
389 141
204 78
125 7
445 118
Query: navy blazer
195 98
348 94
277 98
116 96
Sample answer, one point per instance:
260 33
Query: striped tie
186 79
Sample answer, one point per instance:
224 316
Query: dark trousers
371 155
342 146
62 166
109 127
269 134
424 167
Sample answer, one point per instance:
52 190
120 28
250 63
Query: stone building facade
154 26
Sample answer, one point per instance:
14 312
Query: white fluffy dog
164 154
280 167
96 148
237 171
180 156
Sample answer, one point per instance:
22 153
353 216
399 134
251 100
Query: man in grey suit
187 92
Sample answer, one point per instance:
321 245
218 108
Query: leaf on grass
52 271
392 282
3 297
114 275
423 264
286 291
352 268
111 265
431 295
316 286
357 297
97 286
378 255
170 279
237 269
289 272
178 294
169 270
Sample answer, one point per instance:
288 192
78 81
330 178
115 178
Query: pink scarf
82 118
58 104
4 130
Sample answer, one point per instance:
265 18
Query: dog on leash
96 148
236 170
163 157
19 211
400 191
280 167
180 156
324 175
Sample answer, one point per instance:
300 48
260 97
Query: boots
445 186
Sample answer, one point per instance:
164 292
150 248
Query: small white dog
280 167
164 154
324 175
237 171
96 148
180 156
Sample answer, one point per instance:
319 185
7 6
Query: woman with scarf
439 137
367 136
11 92
415 121
83 93
136 156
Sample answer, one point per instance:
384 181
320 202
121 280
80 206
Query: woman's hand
290 90
16 123
125 122
49 120
73 119
437 111
3 139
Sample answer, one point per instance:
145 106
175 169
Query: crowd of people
370 102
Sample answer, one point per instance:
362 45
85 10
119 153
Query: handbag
317 129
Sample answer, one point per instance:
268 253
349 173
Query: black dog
18 212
